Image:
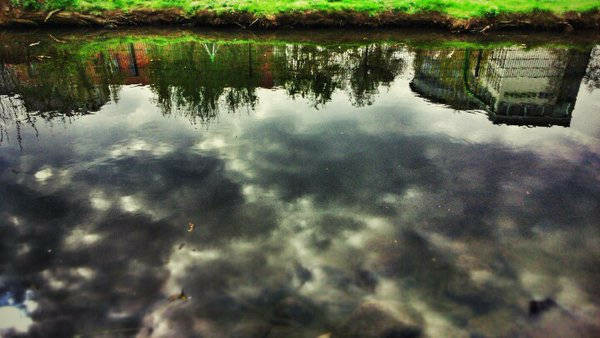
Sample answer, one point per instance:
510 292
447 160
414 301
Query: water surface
184 184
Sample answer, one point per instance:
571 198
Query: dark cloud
109 283
337 163
350 170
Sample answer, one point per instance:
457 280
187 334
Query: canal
379 184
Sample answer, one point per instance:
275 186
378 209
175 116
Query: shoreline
528 22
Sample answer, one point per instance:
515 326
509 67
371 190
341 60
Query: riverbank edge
530 22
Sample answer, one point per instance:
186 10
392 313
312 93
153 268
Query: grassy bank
455 8
452 15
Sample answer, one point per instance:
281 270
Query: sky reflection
348 205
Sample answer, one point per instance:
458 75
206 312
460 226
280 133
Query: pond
381 184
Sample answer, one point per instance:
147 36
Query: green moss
456 8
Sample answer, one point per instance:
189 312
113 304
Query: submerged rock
558 322
537 307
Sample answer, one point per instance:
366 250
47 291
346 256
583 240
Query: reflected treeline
199 79
316 73
61 86
202 79
195 79
515 86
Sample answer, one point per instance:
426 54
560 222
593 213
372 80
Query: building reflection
131 61
515 86
439 78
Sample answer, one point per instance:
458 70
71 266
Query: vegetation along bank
454 15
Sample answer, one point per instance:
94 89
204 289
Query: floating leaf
178 296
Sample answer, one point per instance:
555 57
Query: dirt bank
537 21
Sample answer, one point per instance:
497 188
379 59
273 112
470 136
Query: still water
188 185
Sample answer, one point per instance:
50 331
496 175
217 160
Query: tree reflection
200 80
309 71
197 81
379 65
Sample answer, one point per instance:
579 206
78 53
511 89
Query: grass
455 8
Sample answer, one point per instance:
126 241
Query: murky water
183 185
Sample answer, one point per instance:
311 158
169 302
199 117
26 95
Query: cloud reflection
305 223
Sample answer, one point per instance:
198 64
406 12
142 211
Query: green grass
456 8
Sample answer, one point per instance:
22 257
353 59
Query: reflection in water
349 202
516 86
197 80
